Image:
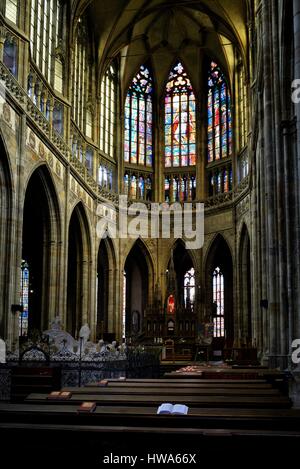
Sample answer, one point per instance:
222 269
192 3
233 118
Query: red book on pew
87 407
65 395
53 395
59 395
103 382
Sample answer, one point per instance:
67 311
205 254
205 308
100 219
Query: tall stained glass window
218 299
180 120
108 111
10 55
138 144
44 33
189 288
24 300
11 10
219 122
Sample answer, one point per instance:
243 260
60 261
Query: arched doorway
40 253
138 280
78 284
105 288
181 288
6 202
185 276
219 291
245 287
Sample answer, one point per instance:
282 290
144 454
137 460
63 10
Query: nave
253 414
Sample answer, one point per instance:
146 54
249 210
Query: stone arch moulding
191 252
219 255
8 252
42 213
79 306
244 280
145 250
106 291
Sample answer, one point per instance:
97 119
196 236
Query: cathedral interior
171 104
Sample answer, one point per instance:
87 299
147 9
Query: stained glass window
138 186
105 176
138 144
180 119
126 183
219 124
141 187
57 119
108 111
189 289
11 10
242 108
180 187
44 33
58 74
89 160
148 188
10 55
167 189
133 187
243 166
218 299
82 76
24 299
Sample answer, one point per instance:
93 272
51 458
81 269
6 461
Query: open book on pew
176 409
59 395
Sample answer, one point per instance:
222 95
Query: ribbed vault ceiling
163 30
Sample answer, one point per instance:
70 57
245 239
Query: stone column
16 240
3 31
296 247
270 174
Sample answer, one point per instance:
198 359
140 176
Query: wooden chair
170 352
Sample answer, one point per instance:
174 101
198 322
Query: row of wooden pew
222 414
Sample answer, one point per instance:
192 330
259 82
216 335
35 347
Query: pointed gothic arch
180 118
41 248
183 262
106 288
138 283
6 224
79 270
244 273
219 126
219 288
138 129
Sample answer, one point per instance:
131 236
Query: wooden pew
186 384
225 373
191 401
186 391
84 445
130 415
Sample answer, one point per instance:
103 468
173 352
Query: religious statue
58 336
85 333
206 331
55 325
102 346
112 348
135 322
